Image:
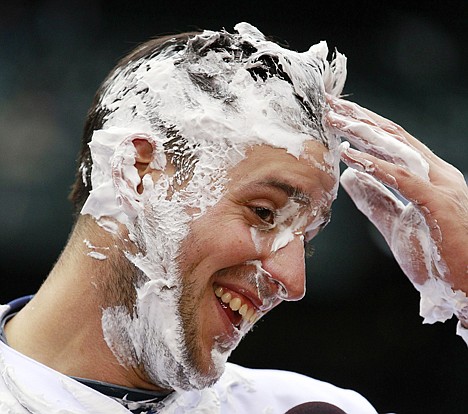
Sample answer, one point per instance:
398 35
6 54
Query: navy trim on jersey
15 306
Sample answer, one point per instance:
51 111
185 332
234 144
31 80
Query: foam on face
289 221
269 289
216 97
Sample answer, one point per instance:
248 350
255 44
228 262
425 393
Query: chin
194 371
202 375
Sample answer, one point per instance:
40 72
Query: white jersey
27 386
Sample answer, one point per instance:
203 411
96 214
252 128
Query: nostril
287 267
274 292
270 290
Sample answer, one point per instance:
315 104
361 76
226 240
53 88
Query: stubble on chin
197 358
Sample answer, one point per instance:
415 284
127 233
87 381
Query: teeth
250 313
247 312
226 298
243 309
235 304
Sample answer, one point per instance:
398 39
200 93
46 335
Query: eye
265 214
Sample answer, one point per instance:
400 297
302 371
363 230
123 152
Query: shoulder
28 386
285 389
244 390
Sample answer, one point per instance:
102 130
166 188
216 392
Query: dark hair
97 113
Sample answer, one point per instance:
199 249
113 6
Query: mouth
240 311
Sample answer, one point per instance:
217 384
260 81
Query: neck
61 326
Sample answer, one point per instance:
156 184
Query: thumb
374 200
400 225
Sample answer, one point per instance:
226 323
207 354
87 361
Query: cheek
234 244
222 244
262 241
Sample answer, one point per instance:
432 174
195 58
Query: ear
143 158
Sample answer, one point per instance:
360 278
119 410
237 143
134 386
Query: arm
428 235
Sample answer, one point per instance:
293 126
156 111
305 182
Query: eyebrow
293 192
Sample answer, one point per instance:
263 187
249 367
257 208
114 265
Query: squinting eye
265 214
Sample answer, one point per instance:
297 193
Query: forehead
312 174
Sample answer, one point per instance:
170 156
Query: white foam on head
219 95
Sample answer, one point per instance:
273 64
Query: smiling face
205 276
218 241
246 254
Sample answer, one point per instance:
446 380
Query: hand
427 231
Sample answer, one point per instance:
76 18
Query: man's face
246 253
206 275
217 250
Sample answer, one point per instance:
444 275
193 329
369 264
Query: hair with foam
210 60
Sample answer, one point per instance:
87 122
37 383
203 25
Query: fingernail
354 159
354 165
353 152
350 161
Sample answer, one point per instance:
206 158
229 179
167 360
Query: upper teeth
235 303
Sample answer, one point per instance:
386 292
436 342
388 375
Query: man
208 160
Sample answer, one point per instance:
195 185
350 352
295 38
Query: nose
287 265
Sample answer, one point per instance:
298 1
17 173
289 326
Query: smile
236 306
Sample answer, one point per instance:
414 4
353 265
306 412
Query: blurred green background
358 326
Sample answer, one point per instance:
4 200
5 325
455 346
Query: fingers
402 227
378 139
375 201
409 185
353 110
387 141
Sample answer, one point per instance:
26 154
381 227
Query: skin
61 326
